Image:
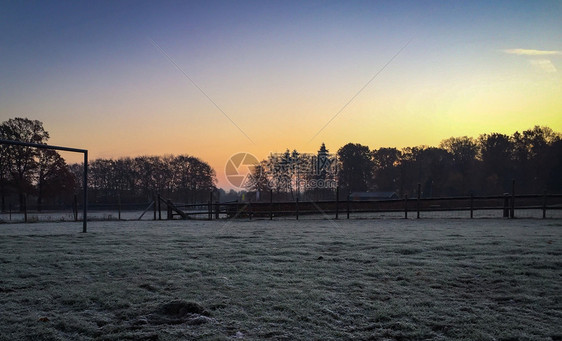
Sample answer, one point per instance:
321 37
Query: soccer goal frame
66 149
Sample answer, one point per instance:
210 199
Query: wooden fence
506 204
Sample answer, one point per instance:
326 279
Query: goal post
66 149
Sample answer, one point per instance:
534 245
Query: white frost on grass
450 279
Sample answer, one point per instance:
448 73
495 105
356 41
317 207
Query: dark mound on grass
181 308
179 311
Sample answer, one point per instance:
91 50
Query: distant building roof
373 195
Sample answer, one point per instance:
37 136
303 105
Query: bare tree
22 161
53 176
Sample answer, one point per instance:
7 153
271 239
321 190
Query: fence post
169 210
159 207
10 211
347 205
25 208
154 206
544 205
405 206
418 201
250 209
471 205
512 212
270 204
75 207
297 208
118 206
217 209
506 205
337 201
210 205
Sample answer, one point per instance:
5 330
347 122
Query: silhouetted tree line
180 178
26 171
459 166
292 175
41 178
485 165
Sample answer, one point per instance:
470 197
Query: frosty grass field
383 279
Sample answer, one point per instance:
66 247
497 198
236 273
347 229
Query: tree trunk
3 189
39 197
22 201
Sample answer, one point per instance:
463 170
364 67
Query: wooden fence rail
507 204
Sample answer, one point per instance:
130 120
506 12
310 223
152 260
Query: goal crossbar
66 149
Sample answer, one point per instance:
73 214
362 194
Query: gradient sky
129 78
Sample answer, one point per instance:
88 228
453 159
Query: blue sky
110 76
